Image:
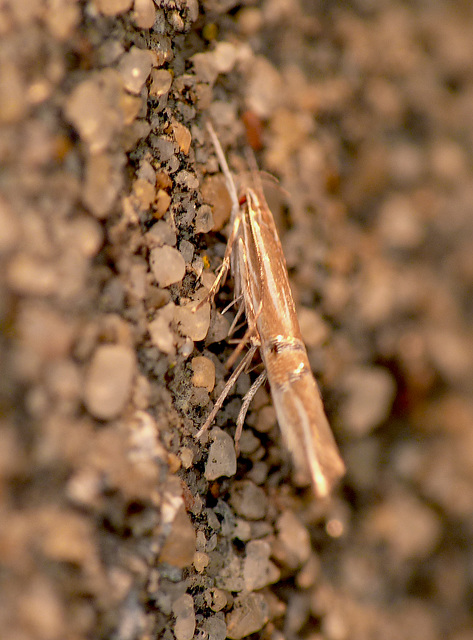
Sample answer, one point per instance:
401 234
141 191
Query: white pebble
167 265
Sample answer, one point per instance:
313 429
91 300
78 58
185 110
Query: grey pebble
222 457
258 570
215 628
248 500
160 234
369 395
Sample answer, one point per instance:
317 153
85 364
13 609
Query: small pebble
113 7
160 234
191 323
292 545
108 381
103 181
314 330
161 204
204 373
167 266
144 192
201 560
217 599
163 147
215 628
249 443
179 548
264 88
215 193
183 609
162 336
30 276
224 55
399 224
187 250
144 13
248 500
204 220
183 137
222 456
369 395
258 570
219 328
161 81
134 68
187 457
92 109
249 614
409 527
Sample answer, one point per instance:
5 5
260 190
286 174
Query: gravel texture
115 521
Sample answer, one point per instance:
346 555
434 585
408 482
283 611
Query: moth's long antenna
226 171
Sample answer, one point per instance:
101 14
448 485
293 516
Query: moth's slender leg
224 267
231 381
238 315
251 332
230 304
245 405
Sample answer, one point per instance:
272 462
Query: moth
255 257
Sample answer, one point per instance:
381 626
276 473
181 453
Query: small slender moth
255 257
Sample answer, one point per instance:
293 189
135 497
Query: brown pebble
144 13
249 614
214 191
109 380
144 192
179 548
30 276
93 107
161 204
204 373
161 80
182 136
113 7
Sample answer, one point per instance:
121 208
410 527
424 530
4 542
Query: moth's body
258 266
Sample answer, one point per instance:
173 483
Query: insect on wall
262 293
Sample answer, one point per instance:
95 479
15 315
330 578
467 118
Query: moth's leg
251 314
224 267
235 218
226 390
250 334
245 405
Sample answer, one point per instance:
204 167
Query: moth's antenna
226 171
